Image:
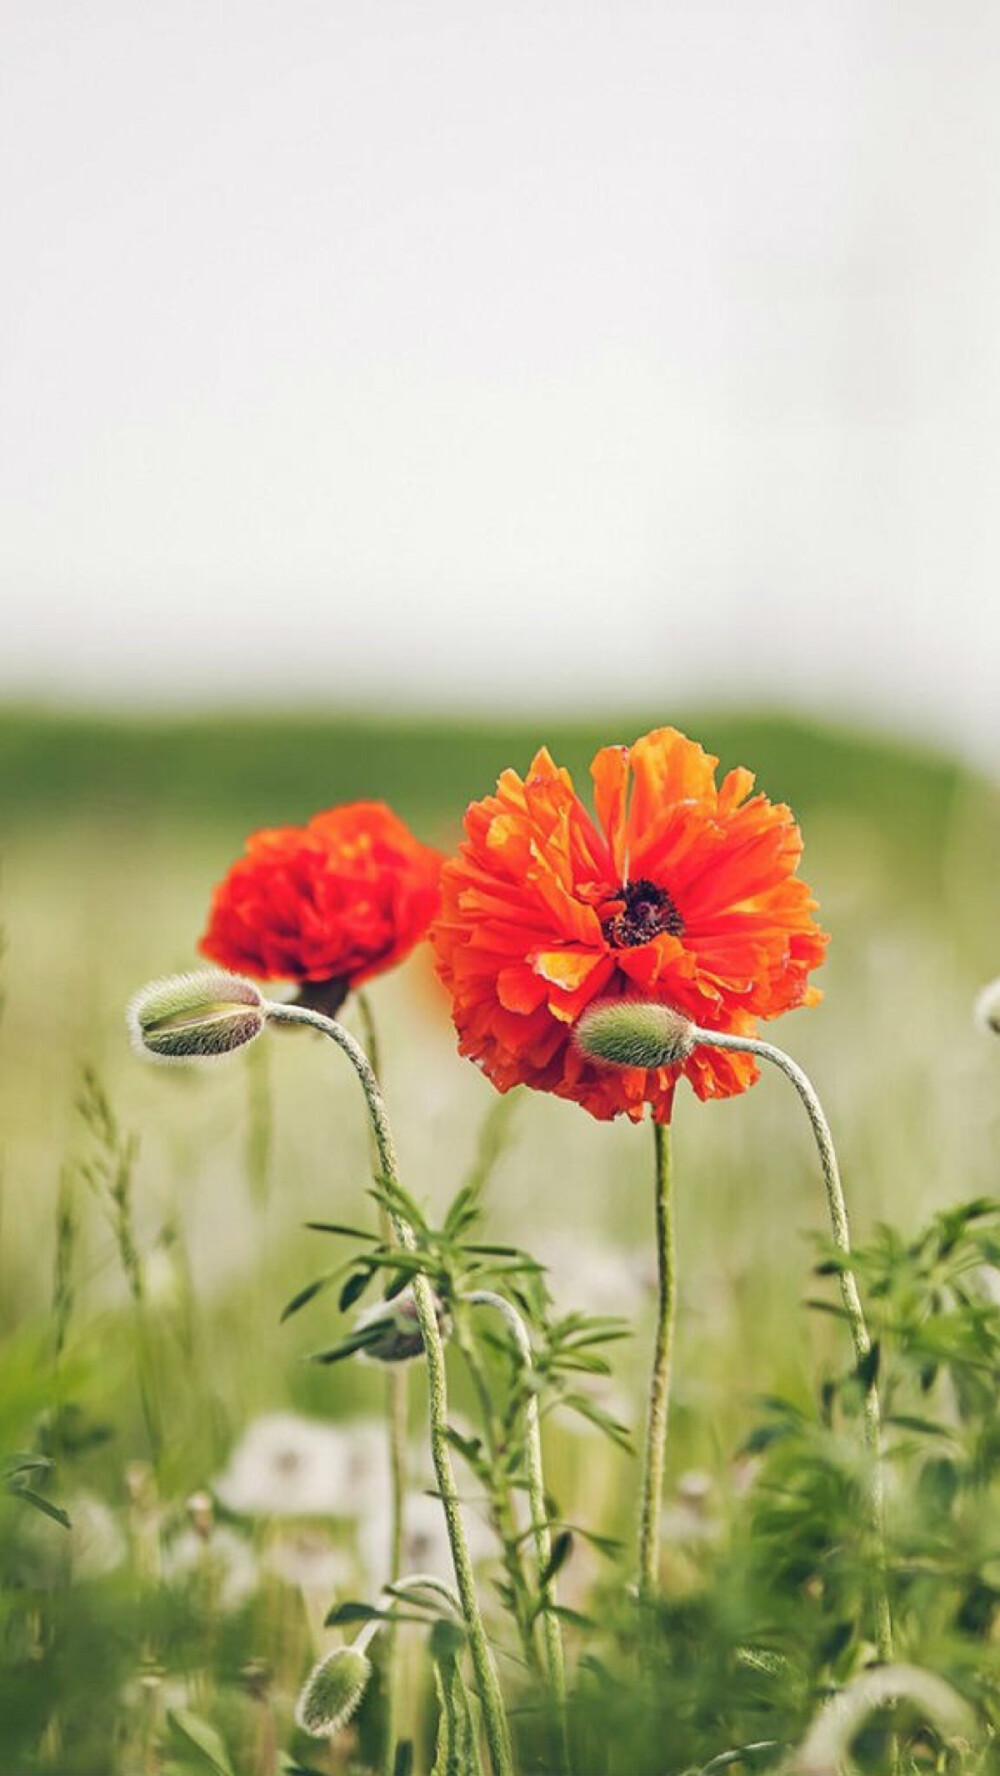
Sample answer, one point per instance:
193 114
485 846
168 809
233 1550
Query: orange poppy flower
332 902
680 891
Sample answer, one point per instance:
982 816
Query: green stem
501 1505
539 1514
494 1718
860 1336
659 1386
396 1412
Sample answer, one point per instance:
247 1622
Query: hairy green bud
332 1692
635 1033
195 1016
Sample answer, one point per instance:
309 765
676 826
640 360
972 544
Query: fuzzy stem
396 1403
501 1505
539 1514
494 1719
659 1385
860 1336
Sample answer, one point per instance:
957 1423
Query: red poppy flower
680 891
335 901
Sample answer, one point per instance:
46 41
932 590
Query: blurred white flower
307 1558
425 1540
289 1466
223 1562
97 1543
594 1277
94 1545
693 1514
987 1008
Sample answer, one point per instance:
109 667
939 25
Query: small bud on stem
392 1328
635 1033
332 1692
195 1016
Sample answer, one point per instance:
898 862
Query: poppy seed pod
332 1692
195 1016
635 1033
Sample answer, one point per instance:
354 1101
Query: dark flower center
647 912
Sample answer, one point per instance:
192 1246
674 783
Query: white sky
557 352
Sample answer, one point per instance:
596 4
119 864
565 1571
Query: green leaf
348 1347
203 1737
867 1367
354 1288
562 1548
359 1233
310 1292
38 1503
352 1611
925 1427
596 1415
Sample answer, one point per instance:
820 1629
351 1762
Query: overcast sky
552 352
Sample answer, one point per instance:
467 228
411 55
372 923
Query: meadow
224 1494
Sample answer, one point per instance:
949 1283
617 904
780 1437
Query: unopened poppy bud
392 1328
332 1692
987 1008
195 1016
635 1033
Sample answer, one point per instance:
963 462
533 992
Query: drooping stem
396 1403
860 1336
539 1513
494 1718
663 1352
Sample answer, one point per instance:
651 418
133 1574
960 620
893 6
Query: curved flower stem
860 1336
494 1718
539 1514
659 1385
396 1402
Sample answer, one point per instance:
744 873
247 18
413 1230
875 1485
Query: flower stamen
647 912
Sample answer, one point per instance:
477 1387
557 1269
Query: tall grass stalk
110 1172
494 1718
397 1416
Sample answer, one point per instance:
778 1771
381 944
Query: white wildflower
289 1466
223 1563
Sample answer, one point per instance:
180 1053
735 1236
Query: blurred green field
112 834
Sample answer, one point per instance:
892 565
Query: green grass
113 833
